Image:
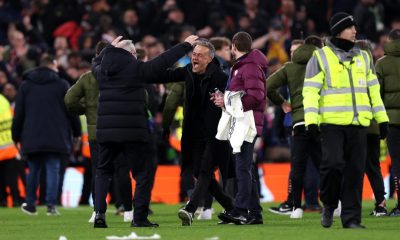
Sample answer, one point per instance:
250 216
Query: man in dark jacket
44 129
82 98
248 75
122 119
200 150
387 70
304 145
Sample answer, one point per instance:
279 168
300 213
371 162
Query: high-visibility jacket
341 88
7 147
85 137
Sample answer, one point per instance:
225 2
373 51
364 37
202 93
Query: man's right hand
286 107
191 39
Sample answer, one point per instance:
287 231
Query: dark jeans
304 147
373 167
342 169
204 163
393 142
141 171
247 197
52 163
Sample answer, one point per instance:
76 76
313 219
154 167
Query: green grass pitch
15 225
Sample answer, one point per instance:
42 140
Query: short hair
47 60
220 42
206 43
394 34
297 42
242 41
100 46
141 53
314 40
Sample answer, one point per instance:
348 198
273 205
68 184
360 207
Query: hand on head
191 39
116 41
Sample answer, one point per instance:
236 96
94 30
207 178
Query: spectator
44 130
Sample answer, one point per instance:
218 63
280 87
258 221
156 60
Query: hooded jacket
41 122
388 72
248 75
291 74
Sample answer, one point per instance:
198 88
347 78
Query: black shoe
100 220
233 217
283 209
395 212
52 211
255 221
143 223
379 211
120 210
186 217
326 217
354 226
223 223
30 210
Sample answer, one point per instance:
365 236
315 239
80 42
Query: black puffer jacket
122 115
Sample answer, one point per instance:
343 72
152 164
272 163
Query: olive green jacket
82 98
291 74
388 73
174 99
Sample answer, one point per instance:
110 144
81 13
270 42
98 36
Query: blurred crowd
70 29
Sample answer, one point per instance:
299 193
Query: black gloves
383 129
313 130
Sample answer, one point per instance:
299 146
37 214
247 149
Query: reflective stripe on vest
345 84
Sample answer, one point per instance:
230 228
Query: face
234 52
293 48
349 34
225 53
200 59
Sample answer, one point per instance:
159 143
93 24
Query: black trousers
373 167
342 169
393 142
304 147
121 179
9 178
141 171
204 158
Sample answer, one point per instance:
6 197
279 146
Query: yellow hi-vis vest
85 137
7 148
342 93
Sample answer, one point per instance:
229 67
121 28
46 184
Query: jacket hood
40 75
254 56
392 48
303 54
